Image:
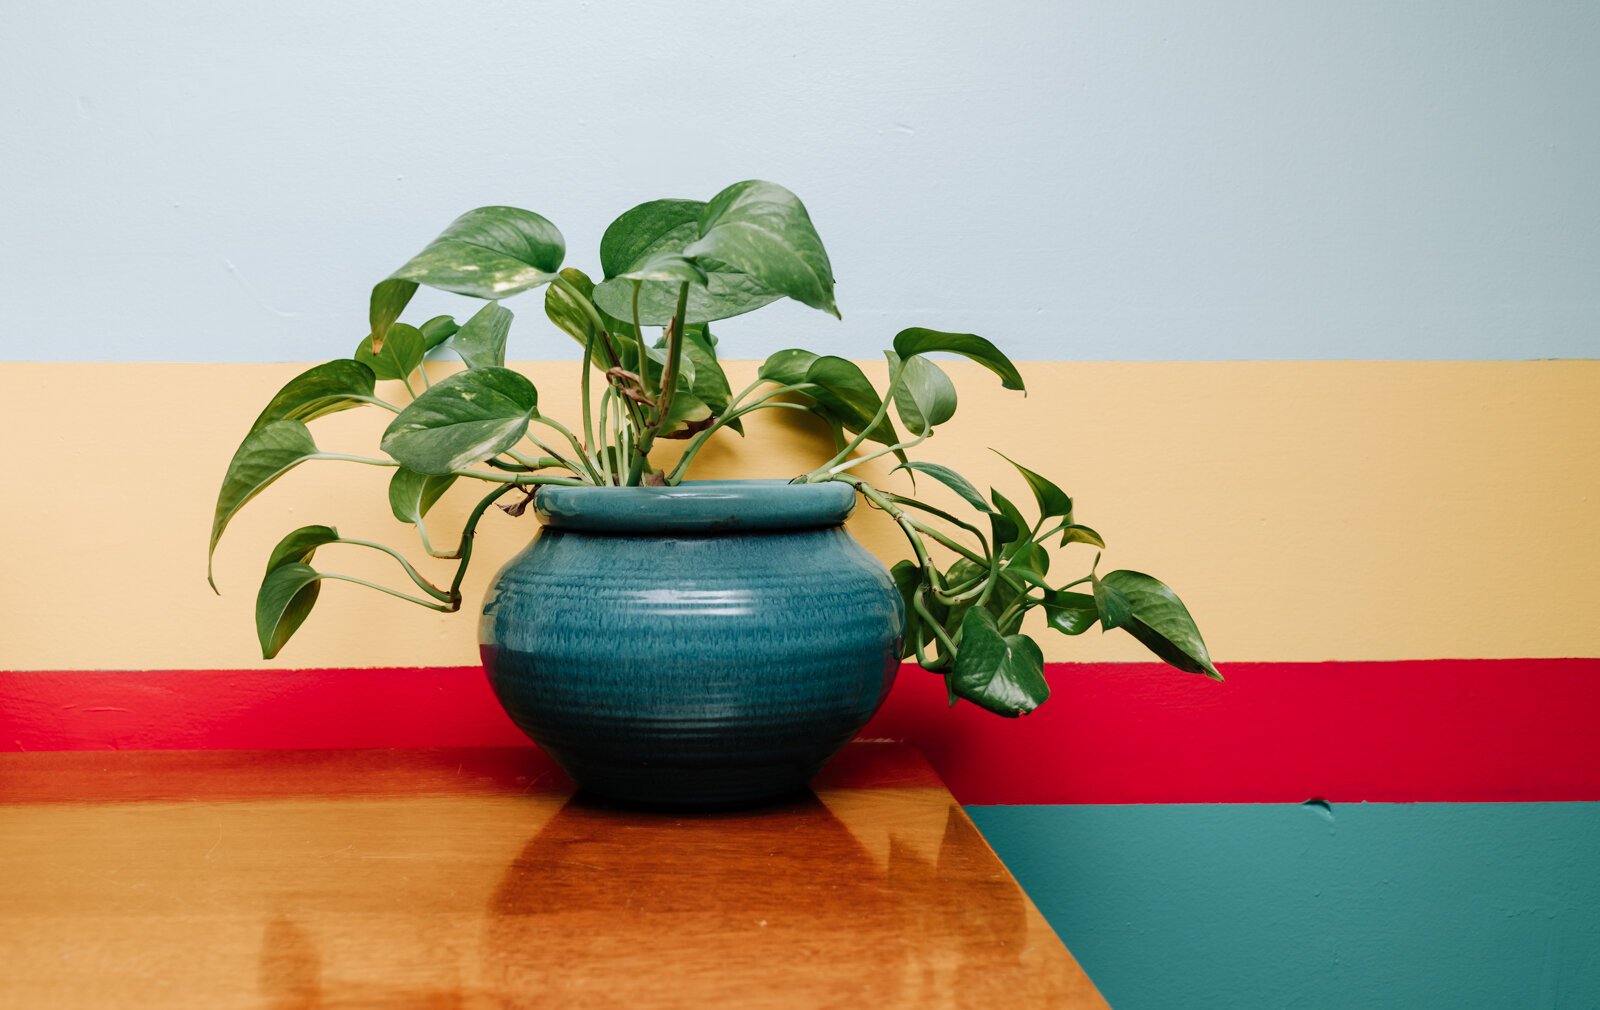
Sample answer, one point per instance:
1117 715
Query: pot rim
696 506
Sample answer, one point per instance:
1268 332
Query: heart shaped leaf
668 226
786 367
763 231
1114 608
924 396
918 340
266 454
462 420
1160 621
490 252
482 341
1002 673
400 355
669 267
412 494
1072 533
283 603
324 389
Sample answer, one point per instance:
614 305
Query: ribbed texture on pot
692 669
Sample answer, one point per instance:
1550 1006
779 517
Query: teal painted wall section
1158 180
1361 906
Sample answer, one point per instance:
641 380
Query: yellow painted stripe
1305 510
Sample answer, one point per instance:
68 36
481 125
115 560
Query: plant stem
583 390
345 457
443 608
422 583
669 380
883 411
572 439
385 404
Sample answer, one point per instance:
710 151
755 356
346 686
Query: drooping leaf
1070 613
918 340
1052 500
482 340
266 454
786 367
400 356
284 601
907 577
463 419
763 231
490 252
668 226
950 479
686 415
437 330
300 546
1002 673
924 396
844 391
328 387
1075 534
1161 622
710 381
412 494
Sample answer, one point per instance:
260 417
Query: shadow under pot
706 645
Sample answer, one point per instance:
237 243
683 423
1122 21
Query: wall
1278 276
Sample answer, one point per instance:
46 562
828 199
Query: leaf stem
443 608
422 583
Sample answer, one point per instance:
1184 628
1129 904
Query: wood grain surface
467 879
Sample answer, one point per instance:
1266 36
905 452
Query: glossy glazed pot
710 644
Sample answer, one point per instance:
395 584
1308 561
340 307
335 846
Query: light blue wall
1455 906
1111 180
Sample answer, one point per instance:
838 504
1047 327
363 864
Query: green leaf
710 381
923 394
462 420
950 479
668 226
844 391
389 299
918 340
1114 608
686 415
437 330
1002 673
1075 534
1012 515
670 267
300 546
1031 557
329 387
482 341
1070 613
266 454
786 367
283 603
412 494
763 230
567 312
1052 500
400 356
490 252
1161 622
907 577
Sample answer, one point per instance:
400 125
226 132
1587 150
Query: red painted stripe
1434 730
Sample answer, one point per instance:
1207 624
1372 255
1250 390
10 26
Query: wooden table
333 879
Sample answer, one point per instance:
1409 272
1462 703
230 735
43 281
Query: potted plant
671 641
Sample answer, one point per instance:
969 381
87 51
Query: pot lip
696 506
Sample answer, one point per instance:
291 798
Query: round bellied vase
710 644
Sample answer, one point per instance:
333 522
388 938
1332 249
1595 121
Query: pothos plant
649 372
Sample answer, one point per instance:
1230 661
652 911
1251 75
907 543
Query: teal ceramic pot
710 644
